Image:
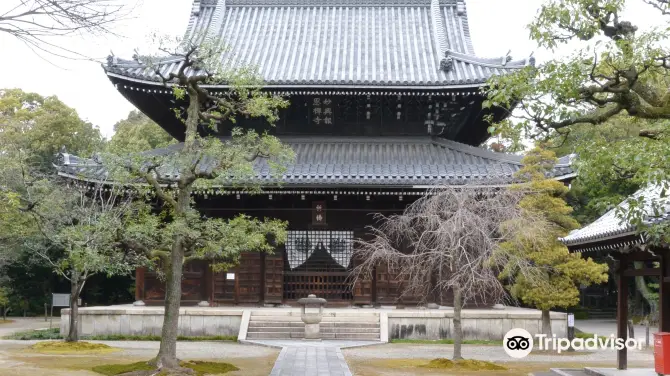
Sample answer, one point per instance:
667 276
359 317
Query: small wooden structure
634 256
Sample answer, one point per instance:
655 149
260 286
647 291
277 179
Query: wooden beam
635 256
646 272
622 311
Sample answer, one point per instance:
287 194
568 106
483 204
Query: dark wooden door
274 278
249 278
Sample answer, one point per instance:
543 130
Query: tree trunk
546 322
167 354
73 334
458 329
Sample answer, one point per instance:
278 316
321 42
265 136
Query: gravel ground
489 353
20 324
15 360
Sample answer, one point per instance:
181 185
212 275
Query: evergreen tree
546 274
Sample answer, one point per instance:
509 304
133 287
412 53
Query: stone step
276 335
325 319
324 325
297 313
323 330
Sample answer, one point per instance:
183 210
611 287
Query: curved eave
421 87
606 244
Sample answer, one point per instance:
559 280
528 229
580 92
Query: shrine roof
338 43
603 232
331 161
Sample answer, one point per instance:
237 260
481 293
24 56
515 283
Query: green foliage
77 231
547 275
4 298
614 85
205 162
42 126
42 334
138 133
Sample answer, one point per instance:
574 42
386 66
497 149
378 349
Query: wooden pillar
208 289
664 293
139 284
622 310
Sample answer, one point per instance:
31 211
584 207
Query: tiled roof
357 161
611 226
341 43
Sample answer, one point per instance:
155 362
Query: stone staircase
288 325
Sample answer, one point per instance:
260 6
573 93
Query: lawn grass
449 341
54 333
201 368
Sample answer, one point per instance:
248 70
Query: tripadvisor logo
518 343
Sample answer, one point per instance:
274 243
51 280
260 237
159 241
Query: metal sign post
571 329
58 300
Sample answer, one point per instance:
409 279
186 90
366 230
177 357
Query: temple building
385 102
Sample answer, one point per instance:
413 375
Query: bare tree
447 242
35 22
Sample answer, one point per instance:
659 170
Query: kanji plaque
319 212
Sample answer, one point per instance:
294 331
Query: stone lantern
312 319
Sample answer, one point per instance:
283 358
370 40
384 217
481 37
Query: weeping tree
445 242
204 161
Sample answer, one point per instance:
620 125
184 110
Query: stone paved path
311 361
322 358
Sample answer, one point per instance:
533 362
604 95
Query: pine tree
546 274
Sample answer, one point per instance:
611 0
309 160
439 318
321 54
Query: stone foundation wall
148 321
492 325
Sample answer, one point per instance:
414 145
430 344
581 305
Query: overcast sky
497 26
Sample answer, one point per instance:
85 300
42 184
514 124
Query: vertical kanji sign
319 213
322 111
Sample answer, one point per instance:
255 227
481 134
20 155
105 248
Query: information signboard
60 300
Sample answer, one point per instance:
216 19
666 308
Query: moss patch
464 364
209 368
117 369
201 368
60 347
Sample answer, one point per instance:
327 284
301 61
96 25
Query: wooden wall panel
224 288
